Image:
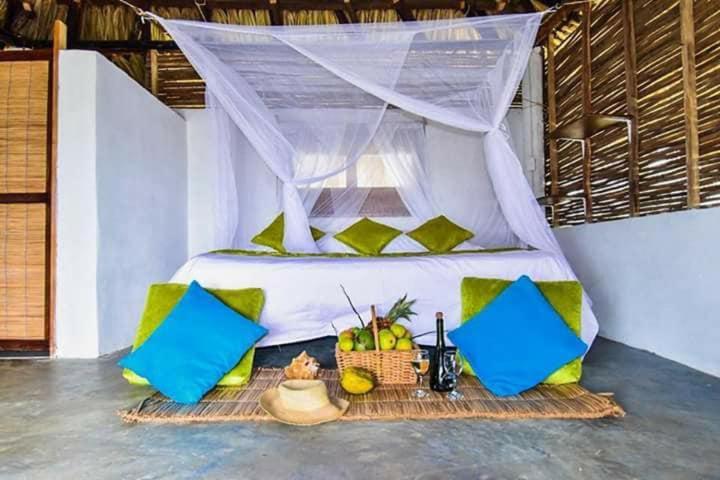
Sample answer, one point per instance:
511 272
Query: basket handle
373 322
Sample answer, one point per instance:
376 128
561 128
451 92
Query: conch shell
302 367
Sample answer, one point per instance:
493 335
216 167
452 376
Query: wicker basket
388 366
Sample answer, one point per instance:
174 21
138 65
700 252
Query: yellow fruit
408 334
398 330
346 334
357 380
387 339
404 344
346 344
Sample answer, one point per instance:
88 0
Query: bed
304 300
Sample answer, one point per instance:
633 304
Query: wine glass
421 365
454 367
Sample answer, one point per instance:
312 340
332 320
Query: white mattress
303 296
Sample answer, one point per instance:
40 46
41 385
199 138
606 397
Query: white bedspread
303 295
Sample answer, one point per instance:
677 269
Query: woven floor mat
386 402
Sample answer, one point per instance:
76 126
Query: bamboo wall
662 112
707 58
24 144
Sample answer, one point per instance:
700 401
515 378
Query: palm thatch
235 16
378 16
108 22
437 14
310 17
3 11
38 24
131 63
157 33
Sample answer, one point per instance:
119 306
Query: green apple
364 338
387 339
398 330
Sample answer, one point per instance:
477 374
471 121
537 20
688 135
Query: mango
357 380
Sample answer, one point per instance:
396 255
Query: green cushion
367 236
564 296
440 235
161 299
274 234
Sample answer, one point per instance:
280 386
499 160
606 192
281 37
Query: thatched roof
29 22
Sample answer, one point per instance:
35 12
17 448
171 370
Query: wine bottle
438 372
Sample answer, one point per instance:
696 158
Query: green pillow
161 299
368 237
274 234
564 296
440 235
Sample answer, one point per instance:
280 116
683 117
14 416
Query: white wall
653 281
121 200
202 173
256 184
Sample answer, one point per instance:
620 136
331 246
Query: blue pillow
517 340
199 342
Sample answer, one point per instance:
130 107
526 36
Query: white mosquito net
312 99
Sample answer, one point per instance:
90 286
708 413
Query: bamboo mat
386 402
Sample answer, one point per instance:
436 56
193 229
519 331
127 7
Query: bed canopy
310 100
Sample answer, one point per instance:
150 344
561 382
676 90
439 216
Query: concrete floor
57 420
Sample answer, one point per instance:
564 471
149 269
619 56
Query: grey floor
57 421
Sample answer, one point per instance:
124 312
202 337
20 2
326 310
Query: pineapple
400 309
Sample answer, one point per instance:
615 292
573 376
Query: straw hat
302 402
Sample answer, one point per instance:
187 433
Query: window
368 181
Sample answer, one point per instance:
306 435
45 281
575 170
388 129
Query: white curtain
402 149
263 76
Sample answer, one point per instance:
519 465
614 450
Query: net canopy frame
311 99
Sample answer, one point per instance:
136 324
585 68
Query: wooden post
59 43
552 125
153 69
404 12
631 96
692 141
349 12
145 27
587 109
276 17
73 22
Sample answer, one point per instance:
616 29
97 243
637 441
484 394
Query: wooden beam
552 125
24 346
692 141
631 98
554 20
23 198
59 43
586 75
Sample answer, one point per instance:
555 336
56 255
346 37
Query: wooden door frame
47 198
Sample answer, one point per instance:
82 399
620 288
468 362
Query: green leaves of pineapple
401 309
